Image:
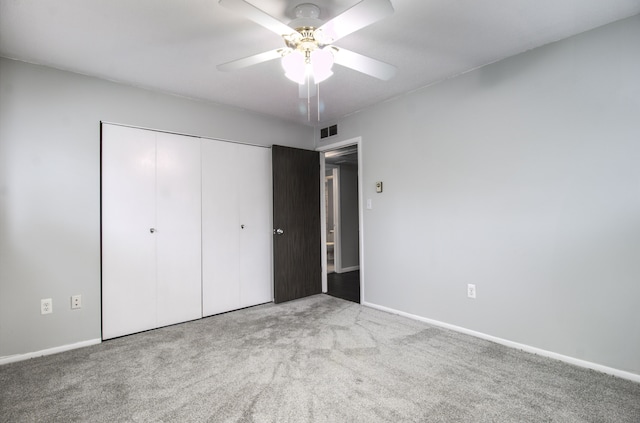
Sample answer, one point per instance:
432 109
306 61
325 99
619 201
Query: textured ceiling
174 45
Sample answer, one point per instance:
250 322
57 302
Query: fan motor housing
306 15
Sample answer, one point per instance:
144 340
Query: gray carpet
319 359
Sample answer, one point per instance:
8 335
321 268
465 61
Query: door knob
152 230
278 231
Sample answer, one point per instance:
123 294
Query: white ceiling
174 45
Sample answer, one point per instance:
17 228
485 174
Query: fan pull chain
308 98
318 94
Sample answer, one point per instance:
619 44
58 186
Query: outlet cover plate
46 306
471 291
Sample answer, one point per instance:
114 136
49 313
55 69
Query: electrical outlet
46 306
471 290
76 301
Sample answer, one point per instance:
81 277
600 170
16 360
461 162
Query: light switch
379 187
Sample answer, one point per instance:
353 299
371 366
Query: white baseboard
348 269
19 357
527 348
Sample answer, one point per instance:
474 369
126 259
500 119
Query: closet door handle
278 231
152 230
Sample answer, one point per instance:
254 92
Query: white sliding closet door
256 238
178 217
151 273
220 226
128 248
236 226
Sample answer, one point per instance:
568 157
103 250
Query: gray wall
522 177
50 189
349 224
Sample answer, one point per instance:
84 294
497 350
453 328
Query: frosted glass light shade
319 69
321 64
294 67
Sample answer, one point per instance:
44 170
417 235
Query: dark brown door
297 270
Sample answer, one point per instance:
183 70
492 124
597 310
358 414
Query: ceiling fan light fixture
317 64
321 64
294 67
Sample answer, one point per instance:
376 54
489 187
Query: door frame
337 249
357 141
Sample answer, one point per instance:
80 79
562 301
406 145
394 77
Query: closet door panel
178 229
220 226
128 246
254 178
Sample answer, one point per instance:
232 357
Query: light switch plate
379 186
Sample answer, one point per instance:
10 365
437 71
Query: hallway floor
344 285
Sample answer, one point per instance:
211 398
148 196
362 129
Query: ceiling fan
309 53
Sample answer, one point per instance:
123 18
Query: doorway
342 222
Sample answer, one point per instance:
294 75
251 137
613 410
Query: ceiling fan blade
251 12
251 60
357 17
364 64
